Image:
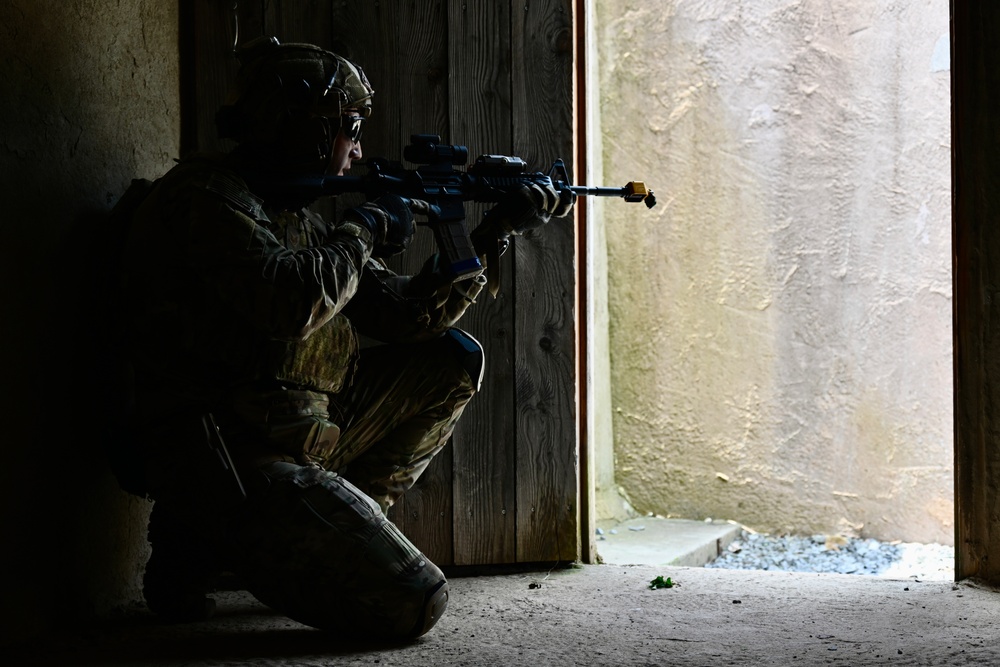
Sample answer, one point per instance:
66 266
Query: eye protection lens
352 126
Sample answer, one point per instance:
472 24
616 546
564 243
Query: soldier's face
345 150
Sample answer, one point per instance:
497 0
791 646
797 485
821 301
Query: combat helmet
289 99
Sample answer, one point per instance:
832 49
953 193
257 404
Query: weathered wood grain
209 66
479 111
411 97
545 347
301 21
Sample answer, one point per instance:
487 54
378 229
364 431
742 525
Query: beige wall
90 100
780 325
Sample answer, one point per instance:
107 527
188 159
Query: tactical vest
185 333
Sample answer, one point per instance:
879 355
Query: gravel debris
840 555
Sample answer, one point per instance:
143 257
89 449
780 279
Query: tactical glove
445 299
390 221
531 206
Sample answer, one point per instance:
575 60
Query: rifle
446 189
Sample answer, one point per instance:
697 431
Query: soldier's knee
324 554
468 352
415 595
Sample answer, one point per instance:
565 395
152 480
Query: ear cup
306 137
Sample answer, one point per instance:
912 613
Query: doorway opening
774 345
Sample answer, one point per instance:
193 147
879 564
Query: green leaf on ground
660 582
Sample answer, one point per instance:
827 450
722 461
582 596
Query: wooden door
496 77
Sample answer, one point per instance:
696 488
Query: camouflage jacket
221 294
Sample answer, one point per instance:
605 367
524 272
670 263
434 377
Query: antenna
236 25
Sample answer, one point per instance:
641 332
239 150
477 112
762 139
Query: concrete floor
594 615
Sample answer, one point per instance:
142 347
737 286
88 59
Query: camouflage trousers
312 541
392 424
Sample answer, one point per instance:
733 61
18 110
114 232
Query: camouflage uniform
247 320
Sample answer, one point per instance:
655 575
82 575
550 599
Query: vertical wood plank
421 104
209 68
479 109
404 53
545 287
368 34
417 98
976 243
302 21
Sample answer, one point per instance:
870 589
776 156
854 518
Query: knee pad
317 549
469 353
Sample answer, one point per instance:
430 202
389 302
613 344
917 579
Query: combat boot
180 572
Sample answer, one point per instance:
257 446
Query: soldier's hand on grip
390 221
531 206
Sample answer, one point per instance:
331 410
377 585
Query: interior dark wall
90 99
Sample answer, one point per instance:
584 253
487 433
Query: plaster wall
780 324
90 100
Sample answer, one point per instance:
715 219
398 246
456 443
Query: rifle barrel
598 191
633 191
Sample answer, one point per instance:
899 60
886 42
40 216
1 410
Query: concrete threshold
657 541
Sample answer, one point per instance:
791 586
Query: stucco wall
780 325
90 100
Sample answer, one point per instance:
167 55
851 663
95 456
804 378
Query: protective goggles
352 126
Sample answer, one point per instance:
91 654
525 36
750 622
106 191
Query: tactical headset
290 99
